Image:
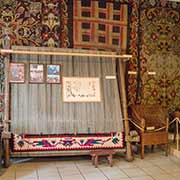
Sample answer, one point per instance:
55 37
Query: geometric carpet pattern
100 25
29 143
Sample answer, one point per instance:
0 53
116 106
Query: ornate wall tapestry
160 51
100 25
133 48
31 23
1 88
21 20
66 12
51 23
24 143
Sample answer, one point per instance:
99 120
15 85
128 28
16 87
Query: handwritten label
79 89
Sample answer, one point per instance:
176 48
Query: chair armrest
143 124
167 124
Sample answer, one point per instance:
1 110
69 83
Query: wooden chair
151 122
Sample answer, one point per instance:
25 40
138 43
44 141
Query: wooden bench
102 152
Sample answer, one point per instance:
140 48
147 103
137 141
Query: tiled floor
155 166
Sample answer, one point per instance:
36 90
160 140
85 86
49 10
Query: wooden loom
118 59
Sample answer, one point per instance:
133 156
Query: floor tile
153 170
118 178
67 172
170 168
6 177
142 178
176 175
89 170
161 161
155 166
25 178
26 174
126 165
94 176
134 172
112 172
73 177
49 178
164 177
46 174
142 163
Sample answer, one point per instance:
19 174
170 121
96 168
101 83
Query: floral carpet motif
21 20
51 23
36 22
1 88
133 49
160 55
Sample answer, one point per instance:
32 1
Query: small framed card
36 73
53 74
17 73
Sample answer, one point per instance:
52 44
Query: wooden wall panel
38 108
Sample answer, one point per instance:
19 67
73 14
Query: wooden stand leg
110 160
96 161
0 153
93 158
7 153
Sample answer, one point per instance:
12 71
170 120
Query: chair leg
167 149
152 148
142 150
110 160
93 159
174 140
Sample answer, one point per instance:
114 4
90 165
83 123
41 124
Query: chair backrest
154 115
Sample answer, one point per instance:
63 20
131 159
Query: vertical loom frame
121 64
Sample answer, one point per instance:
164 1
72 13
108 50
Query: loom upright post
6 133
177 134
122 66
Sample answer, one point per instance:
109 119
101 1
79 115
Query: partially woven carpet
24 143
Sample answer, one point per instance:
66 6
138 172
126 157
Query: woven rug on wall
21 20
160 54
51 23
1 88
25 143
132 85
100 25
32 23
